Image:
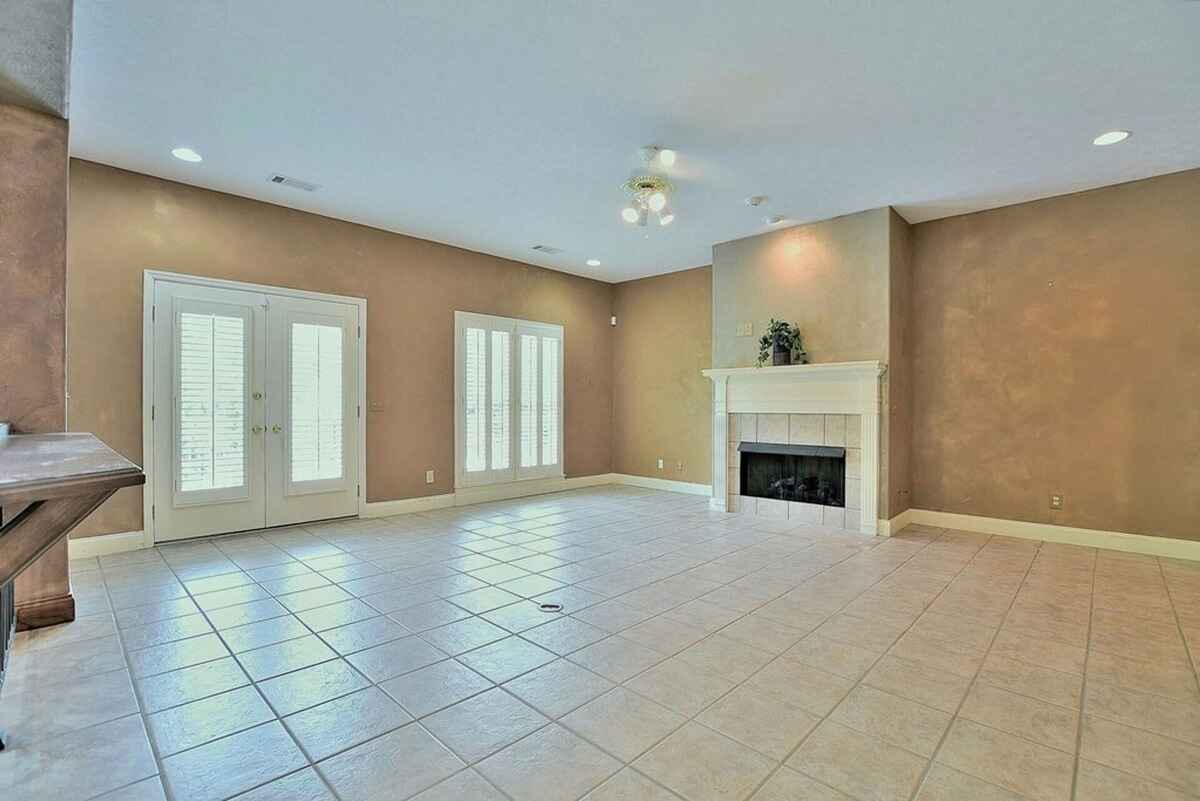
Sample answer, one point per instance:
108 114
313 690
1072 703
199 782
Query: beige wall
834 279
830 277
33 267
898 381
1056 348
123 223
662 405
33 241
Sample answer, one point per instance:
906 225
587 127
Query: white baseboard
406 506
105 544
661 484
1069 535
466 496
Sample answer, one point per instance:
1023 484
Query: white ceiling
499 124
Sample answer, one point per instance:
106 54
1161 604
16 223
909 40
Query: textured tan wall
898 381
662 405
33 267
1057 349
33 274
123 223
832 278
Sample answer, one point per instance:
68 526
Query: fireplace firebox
805 473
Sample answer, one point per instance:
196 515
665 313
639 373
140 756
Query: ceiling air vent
294 183
549 250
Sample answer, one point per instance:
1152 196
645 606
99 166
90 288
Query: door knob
258 429
277 429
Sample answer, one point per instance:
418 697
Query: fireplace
803 473
799 443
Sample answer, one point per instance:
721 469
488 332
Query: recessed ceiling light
1110 138
593 262
774 220
186 154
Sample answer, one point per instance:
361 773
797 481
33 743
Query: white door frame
148 279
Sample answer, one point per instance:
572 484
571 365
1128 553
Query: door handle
258 429
277 429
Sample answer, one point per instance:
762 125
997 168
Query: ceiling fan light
666 157
657 202
666 219
629 214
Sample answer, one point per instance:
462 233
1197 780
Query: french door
508 383
255 408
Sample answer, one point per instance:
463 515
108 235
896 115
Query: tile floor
702 656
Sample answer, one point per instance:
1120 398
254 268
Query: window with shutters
315 416
212 356
508 389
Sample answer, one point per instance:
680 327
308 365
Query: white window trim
149 277
515 473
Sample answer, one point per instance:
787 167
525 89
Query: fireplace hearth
804 473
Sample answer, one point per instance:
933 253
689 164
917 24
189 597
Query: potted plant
781 343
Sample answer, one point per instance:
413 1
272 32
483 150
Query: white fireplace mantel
833 388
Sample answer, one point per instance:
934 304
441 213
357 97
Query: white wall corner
895 525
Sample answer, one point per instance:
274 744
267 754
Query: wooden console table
48 484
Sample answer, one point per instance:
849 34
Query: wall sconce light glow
186 154
666 219
1110 138
629 214
593 262
666 158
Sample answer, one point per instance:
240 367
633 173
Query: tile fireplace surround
789 405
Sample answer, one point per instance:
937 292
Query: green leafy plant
781 336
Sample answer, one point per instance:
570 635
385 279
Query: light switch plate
428 476
745 329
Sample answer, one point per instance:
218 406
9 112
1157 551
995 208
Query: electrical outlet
679 466
428 476
745 329
375 406
660 464
1056 501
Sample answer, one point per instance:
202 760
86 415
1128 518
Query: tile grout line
1187 649
1083 686
975 678
693 718
678 545
783 763
254 581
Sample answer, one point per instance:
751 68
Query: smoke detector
756 200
